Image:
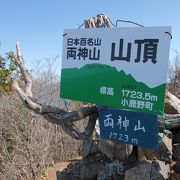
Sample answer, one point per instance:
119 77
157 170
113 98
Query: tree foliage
8 68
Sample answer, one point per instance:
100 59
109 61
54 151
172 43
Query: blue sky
38 24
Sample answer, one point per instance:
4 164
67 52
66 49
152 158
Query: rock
90 170
176 167
174 176
72 172
165 148
115 150
176 136
140 155
85 169
112 149
90 147
176 151
94 147
94 166
114 170
141 171
101 168
86 148
91 165
157 170
160 170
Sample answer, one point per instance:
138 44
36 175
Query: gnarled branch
27 79
170 122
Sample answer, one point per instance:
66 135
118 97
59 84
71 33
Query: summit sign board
138 129
125 68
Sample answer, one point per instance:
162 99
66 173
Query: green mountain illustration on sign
104 85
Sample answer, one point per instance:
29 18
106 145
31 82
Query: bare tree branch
170 122
27 79
60 116
26 99
73 131
172 104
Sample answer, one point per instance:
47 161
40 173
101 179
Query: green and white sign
124 68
